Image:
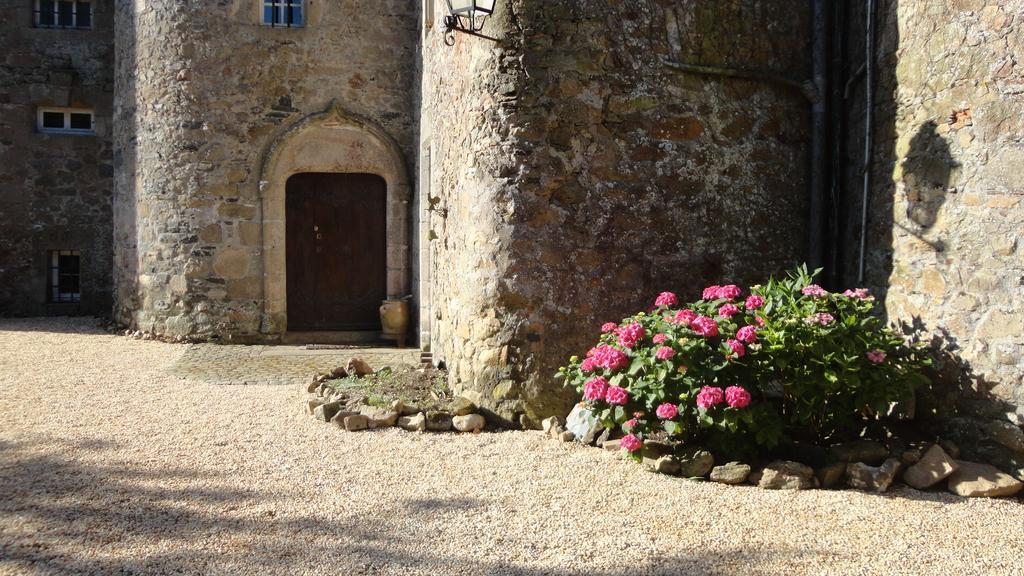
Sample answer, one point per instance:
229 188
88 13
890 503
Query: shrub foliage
742 371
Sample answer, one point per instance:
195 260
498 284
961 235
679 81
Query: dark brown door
335 251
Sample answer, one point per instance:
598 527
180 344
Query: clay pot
394 320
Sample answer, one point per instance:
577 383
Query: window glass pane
68 263
46 12
84 17
268 14
64 13
295 18
81 121
53 119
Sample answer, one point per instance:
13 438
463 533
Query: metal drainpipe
817 181
869 113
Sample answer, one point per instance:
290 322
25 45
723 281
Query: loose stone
872 478
414 423
695 463
663 465
584 424
612 445
461 406
972 480
730 473
356 422
786 475
326 411
932 468
339 418
439 421
469 423
551 423
1007 434
358 367
312 404
830 475
379 417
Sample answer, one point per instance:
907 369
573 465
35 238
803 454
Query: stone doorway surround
330 141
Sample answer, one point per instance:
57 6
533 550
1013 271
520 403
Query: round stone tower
215 110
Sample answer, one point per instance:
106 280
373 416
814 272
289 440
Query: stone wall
203 91
944 245
55 189
575 175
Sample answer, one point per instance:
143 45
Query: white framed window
65 276
63 14
65 120
284 13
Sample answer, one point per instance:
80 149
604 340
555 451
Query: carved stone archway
330 141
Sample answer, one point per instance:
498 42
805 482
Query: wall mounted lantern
466 16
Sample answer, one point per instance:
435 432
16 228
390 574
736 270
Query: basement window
65 278
65 121
284 13
63 14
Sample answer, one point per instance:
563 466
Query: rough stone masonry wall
602 177
468 185
946 206
203 89
55 189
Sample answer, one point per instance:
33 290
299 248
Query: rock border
350 411
863 465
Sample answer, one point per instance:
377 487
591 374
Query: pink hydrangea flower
588 365
814 290
666 299
684 317
609 357
823 318
753 301
728 310
659 338
608 327
630 335
736 346
630 424
759 321
710 396
705 326
667 411
664 353
630 443
747 334
595 389
616 395
876 356
737 397
711 292
729 292
861 293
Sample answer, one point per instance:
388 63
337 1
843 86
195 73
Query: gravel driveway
110 465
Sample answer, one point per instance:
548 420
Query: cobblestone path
236 364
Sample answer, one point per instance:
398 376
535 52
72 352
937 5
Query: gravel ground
110 465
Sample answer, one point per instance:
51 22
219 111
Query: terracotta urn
394 320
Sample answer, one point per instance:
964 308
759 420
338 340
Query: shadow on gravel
59 515
55 325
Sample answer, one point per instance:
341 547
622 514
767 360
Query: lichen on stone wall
203 91
609 178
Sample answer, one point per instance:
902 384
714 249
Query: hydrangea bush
742 370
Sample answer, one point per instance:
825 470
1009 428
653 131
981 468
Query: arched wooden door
335 252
